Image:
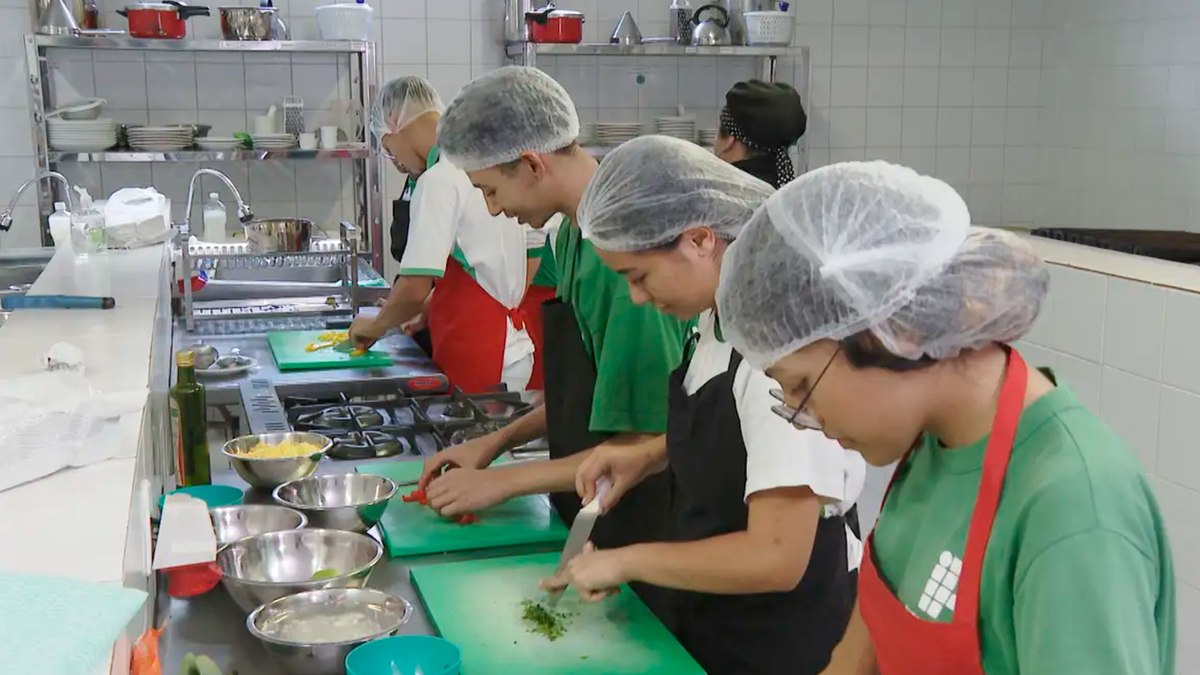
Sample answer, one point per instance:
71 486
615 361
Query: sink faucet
6 219
245 214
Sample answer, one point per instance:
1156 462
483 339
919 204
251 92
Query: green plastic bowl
405 655
213 495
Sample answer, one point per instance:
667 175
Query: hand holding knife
581 532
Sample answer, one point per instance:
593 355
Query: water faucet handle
6 221
245 213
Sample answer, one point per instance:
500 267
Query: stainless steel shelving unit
368 193
527 52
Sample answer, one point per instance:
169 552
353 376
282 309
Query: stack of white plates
81 135
707 137
274 141
161 138
219 143
677 127
616 133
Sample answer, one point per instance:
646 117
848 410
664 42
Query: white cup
308 141
264 124
329 137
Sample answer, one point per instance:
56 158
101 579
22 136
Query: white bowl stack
161 139
219 143
274 141
81 135
677 127
707 137
616 133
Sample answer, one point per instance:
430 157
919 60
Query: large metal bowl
232 523
271 473
279 235
247 23
264 567
352 501
311 633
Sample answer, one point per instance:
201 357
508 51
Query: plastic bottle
215 218
88 235
60 226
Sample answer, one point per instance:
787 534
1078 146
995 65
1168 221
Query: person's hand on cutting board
625 465
476 453
594 574
466 491
365 331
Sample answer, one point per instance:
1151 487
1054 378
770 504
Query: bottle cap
60 206
213 195
185 359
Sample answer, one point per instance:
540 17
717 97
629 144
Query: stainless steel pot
247 23
280 235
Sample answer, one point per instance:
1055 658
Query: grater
293 115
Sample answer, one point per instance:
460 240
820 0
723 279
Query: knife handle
603 485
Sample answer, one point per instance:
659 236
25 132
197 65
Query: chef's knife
581 532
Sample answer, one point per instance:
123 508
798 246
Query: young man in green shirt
608 360
1019 534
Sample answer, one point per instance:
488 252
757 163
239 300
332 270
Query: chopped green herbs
544 621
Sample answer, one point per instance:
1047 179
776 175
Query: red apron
469 329
908 645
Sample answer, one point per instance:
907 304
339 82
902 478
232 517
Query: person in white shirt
762 549
480 264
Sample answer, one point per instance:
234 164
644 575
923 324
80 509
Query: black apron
401 223
570 381
791 633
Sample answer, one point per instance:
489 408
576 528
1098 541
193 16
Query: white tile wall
1128 349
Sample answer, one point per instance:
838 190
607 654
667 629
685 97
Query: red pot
165 20
550 25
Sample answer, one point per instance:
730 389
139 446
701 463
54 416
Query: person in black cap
759 123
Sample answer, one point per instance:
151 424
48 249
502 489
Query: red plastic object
467 519
165 20
191 580
549 25
145 660
199 281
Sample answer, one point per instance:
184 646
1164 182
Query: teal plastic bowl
213 495
403 655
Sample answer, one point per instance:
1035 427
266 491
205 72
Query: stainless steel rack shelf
186 45
516 49
138 156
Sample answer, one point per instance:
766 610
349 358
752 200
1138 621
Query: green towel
53 626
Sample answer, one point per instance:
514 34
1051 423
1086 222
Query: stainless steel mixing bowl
264 567
352 501
280 235
307 633
247 23
232 523
273 472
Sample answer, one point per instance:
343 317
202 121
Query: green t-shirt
635 347
1077 576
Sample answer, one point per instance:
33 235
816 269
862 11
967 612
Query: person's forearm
854 655
405 301
731 564
558 475
528 427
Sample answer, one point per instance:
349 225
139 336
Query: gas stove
383 425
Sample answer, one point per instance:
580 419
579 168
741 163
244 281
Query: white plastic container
88 235
60 226
215 217
346 21
769 29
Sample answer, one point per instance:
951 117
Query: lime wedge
326 573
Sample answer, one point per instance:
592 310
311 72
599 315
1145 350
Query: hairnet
505 113
401 102
874 246
651 189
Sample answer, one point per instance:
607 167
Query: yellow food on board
281 450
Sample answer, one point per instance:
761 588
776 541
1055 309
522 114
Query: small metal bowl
271 473
352 501
301 630
265 567
247 23
232 523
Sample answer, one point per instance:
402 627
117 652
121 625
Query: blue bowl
403 654
213 495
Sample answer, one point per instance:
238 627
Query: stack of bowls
677 127
162 138
81 135
707 137
353 502
219 143
616 133
232 523
274 141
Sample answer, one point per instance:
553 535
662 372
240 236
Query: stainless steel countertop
214 626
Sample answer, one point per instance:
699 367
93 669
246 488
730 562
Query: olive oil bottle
188 424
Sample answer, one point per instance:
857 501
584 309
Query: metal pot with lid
552 25
160 20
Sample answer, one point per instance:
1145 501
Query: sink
313 275
20 268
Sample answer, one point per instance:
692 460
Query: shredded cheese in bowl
281 450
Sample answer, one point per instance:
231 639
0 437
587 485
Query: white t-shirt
778 454
448 211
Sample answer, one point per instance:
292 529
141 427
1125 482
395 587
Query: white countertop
74 523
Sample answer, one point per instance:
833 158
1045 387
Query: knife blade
581 532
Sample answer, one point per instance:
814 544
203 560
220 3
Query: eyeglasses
800 417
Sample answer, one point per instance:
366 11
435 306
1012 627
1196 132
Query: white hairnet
505 113
651 189
401 102
874 246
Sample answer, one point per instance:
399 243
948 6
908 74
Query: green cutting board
477 606
289 348
410 529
